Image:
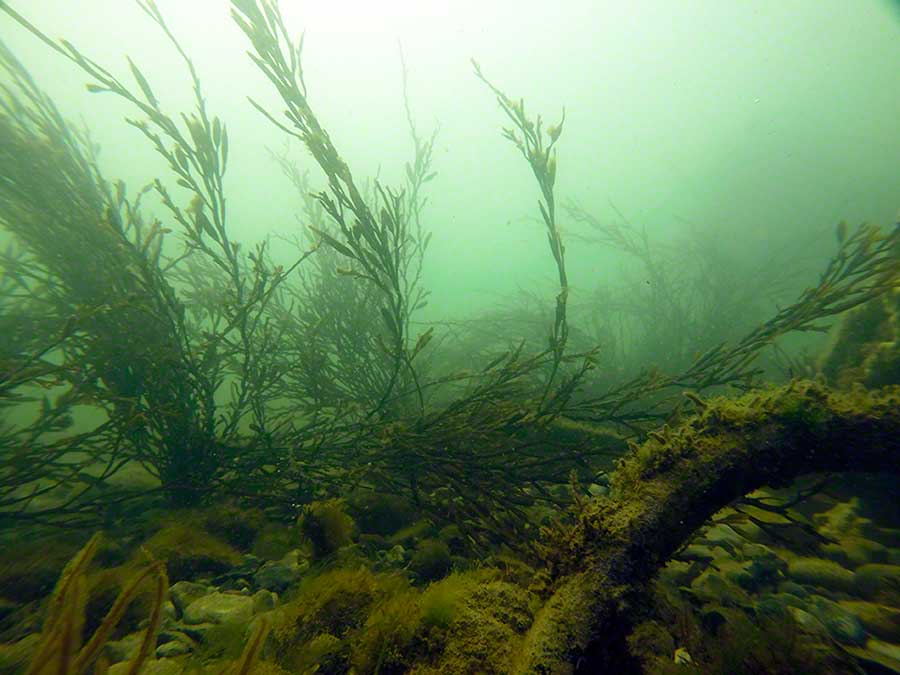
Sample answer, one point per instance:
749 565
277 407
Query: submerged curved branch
668 487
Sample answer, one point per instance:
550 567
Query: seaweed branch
528 136
376 241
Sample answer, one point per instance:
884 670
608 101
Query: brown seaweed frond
541 156
59 651
380 240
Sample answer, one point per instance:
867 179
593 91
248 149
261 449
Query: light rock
219 608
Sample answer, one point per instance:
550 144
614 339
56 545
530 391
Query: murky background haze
761 122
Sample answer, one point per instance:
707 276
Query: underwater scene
449 337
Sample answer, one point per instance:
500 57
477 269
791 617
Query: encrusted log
670 486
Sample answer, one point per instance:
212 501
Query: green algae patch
355 620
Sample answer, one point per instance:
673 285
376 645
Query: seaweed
60 649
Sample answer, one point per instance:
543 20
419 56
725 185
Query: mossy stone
235 525
856 551
822 573
190 552
881 621
841 624
431 560
713 587
878 582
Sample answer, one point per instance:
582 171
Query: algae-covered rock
431 560
408 536
486 632
882 622
326 526
173 649
124 649
183 593
237 526
866 348
792 587
752 575
335 602
220 608
325 654
822 573
280 575
841 624
264 601
440 602
455 539
381 514
394 557
189 553
712 587
878 582
385 644
677 573
650 642
808 622
779 604
172 635
856 551
842 520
